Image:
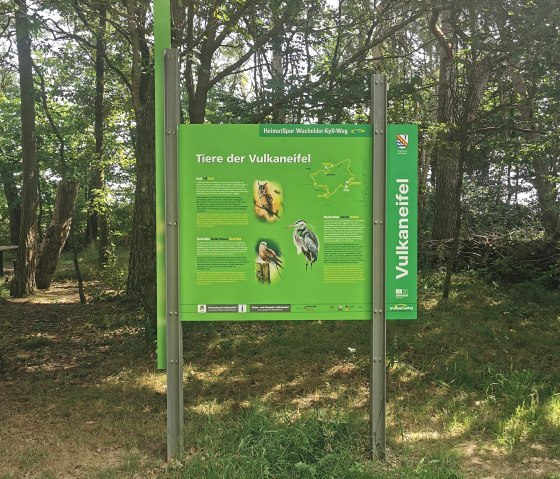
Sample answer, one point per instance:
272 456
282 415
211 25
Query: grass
328 442
473 391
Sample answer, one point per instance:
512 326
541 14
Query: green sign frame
331 183
242 188
401 253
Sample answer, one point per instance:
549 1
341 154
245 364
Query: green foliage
529 262
4 292
115 275
327 52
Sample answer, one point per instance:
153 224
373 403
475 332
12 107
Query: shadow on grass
288 398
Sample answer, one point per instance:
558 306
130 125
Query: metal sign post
174 326
378 328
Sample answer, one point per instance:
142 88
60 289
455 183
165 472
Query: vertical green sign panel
402 222
275 222
162 38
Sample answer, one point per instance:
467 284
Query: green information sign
402 222
275 222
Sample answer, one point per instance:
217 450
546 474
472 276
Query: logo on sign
402 142
401 293
401 307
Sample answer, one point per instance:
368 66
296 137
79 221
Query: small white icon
242 308
201 308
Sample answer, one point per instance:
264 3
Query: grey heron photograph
306 242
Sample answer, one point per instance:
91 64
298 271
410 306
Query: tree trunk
423 170
100 194
92 229
446 162
24 275
142 265
81 292
197 103
14 207
57 232
446 170
478 75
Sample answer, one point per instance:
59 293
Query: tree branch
438 33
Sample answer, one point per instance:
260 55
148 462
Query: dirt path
59 387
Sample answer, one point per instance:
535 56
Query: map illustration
333 177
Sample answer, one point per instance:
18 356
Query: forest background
77 145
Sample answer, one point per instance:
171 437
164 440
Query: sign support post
378 327
174 326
